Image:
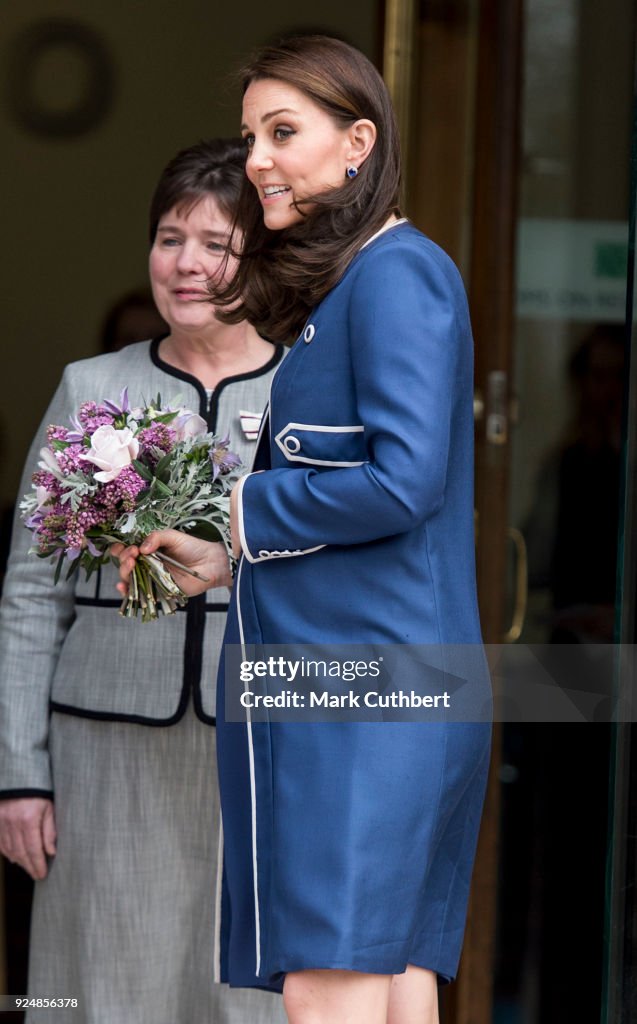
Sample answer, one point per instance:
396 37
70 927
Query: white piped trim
385 227
242 533
216 959
265 555
253 793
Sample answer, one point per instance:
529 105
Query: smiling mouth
273 191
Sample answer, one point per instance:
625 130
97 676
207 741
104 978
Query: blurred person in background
571 530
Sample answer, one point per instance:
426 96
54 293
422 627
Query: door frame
490 283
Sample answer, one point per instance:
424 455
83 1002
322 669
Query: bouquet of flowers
117 474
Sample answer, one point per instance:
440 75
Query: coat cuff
262 554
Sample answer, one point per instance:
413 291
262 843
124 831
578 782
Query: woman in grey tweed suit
107 736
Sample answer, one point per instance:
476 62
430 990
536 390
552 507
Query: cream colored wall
74 211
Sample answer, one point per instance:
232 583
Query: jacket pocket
317 445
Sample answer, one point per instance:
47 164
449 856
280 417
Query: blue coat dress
350 844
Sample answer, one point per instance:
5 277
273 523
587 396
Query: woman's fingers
126 558
159 539
27 830
208 561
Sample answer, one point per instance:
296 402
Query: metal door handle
497 422
521 586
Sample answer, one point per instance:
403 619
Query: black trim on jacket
195 609
114 602
19 794
114 716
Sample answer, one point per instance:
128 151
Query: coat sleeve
35 615
409 334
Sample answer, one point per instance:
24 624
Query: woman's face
295 149
188 251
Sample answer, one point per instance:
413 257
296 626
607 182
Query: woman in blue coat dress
349 845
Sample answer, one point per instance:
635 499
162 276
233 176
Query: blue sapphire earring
351 172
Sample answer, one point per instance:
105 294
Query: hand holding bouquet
196 561
116 475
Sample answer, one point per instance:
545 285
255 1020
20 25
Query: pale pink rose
111 450
189 424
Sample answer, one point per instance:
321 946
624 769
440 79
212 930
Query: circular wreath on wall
54 51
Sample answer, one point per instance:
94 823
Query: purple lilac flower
55 433
87 516
155 440
121 494
42 478
91 416
70 459
51 530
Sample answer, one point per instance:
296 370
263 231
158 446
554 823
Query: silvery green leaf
129 524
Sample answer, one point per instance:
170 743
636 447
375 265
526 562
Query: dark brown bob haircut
282 275
212 167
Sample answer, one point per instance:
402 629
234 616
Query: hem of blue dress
274 982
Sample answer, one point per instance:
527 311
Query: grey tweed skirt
126 921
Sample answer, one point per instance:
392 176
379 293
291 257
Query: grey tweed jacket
64 647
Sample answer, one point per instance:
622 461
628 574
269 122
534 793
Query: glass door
620 990
569 366
518 136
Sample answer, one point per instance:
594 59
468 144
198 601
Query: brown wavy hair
212 167
282 275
